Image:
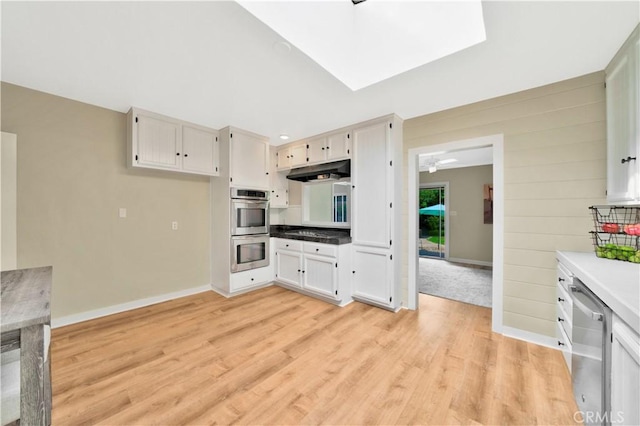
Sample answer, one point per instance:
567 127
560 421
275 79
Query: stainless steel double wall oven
249 229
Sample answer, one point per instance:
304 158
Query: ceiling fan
432 163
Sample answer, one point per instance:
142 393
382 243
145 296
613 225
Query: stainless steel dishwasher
590 358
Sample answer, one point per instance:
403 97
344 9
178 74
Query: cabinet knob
177 153
298 270
626 160
303 272
186 155
317 249
328 147
287 245
251 279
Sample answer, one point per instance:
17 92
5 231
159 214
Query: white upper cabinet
338 146
331 147
317 150
200 150
292 156
159 142
249 159
371 185
623 123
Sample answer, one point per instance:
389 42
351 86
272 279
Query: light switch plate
122 212
174 225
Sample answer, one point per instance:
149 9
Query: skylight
362 44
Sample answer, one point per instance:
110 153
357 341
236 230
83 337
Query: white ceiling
215 64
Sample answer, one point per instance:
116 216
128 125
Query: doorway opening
432 221
414 166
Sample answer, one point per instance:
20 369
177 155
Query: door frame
446 210
497 142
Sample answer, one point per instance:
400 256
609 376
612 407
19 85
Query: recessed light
282 47
284 137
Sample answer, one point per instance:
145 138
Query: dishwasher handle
596 316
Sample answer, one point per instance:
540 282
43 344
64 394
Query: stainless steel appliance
249 252
249 212
590 362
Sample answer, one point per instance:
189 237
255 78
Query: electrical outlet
174 226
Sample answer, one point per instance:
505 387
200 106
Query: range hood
327 171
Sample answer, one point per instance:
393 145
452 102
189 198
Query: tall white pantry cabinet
376 174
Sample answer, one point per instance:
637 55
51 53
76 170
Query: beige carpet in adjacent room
456 281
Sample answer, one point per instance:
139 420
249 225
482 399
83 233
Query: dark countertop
26 294
334 236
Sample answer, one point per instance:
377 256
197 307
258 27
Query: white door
320 275
158 142
625 375
371 172
317 152
622 137
250 161
289 267
372 274
338 146
199 150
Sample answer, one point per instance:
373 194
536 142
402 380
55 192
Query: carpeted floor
465 283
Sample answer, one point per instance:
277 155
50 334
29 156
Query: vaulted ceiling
215 64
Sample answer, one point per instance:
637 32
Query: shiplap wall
554 168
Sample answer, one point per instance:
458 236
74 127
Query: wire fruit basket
616 233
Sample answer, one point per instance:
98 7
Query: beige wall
8 202
469 238
554 168
71 181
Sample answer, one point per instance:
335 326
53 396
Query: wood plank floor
276 357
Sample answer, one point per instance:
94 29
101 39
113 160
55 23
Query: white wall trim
527 336
470 261
497 141
128 306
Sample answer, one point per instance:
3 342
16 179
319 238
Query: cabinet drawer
321 249
564 344
565 303
563 319
253 277
294 245
565 277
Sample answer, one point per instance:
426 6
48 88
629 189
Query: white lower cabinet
289 267
315 269
320 275
372 275
625 374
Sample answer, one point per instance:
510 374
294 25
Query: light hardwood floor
276 357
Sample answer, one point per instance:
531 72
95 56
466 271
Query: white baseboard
134 304
527 336
470 261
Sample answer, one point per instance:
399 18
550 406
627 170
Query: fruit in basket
624 253
633 229
612 228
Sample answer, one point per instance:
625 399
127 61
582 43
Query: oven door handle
596 316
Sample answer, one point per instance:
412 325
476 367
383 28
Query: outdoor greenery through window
432 217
